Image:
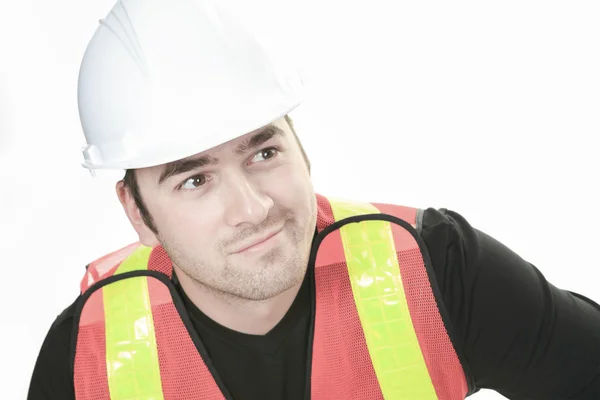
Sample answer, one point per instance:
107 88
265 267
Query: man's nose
244 201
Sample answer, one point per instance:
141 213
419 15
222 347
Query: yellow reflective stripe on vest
133 370
381 304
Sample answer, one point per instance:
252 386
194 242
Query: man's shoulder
51 376
436 220
66 317
452 242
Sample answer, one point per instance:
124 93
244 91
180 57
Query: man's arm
520 335
51 377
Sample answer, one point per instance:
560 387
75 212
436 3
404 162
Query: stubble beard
273 274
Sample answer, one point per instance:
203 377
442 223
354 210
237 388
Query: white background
487 108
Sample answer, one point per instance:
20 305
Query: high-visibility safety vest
377 331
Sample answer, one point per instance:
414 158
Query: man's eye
194 182
265 154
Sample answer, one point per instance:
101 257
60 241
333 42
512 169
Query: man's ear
146 236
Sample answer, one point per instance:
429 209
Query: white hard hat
162 80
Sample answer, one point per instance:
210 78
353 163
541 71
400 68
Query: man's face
238 218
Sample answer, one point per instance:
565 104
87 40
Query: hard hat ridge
120 26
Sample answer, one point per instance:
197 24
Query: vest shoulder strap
134 257
331 210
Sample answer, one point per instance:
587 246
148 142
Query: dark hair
130 182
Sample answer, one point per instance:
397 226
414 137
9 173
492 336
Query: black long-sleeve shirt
519 335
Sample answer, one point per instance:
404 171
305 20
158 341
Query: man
246 284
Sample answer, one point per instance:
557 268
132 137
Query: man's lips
255 241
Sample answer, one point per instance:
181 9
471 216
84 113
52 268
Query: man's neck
241 315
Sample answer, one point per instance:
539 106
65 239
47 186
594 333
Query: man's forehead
277 127
240 145
242 142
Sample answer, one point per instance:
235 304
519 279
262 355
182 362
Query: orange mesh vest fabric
377 329
150 353
370 355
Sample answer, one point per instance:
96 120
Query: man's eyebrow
186 165
266 134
